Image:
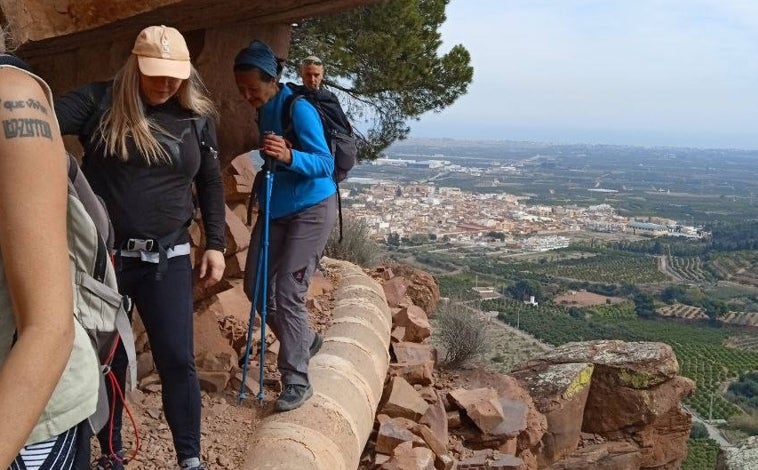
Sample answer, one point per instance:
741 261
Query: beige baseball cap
162 52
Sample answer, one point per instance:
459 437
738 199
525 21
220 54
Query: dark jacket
148 201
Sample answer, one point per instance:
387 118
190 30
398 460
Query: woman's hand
276 147
212 267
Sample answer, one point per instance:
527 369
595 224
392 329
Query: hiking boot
293 396
318 340
110 462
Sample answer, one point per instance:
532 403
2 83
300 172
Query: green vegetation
523 289
611 267
699 348
462 334
689 268
737 266
603 266
698 431
384 59
356 245
695 297
619 310
458 287
701 454
744 391
745 423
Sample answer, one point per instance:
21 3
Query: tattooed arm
33 196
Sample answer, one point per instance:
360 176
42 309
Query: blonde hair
126 117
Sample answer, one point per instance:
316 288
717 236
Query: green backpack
98 306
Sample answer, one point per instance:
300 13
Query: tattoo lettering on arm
17 128
31 103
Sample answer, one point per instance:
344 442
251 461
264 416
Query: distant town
392 208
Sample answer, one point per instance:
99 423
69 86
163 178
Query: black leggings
166 309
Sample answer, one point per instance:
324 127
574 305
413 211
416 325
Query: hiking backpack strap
10 59
202 131
288 131
92 203
103 311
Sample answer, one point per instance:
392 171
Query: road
713 431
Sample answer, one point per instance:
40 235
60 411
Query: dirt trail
226 425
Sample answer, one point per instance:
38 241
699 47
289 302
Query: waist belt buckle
137 244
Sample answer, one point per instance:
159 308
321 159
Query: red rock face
422 287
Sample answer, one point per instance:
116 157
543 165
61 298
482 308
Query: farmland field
700 349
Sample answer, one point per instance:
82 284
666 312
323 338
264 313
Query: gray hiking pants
296 243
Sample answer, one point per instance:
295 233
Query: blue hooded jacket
308 179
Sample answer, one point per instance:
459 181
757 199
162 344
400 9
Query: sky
680 73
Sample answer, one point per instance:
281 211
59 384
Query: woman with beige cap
143 150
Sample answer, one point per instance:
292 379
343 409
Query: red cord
114 389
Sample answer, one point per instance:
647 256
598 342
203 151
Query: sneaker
110 462
200 466
316 344
193 464
293 396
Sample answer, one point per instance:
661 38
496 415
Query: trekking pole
261 284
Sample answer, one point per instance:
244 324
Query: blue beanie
259 55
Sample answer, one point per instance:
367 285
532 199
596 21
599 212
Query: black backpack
338 132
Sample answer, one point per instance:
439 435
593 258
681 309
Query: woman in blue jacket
302 213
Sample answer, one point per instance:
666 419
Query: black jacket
148 201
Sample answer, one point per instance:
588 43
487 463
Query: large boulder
421 287
638 365
559 392
743 456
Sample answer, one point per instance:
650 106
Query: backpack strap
92 203
202 131
288 126
288 123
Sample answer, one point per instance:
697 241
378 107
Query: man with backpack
337 128
312 72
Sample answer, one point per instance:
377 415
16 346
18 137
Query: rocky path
225 430
226 425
